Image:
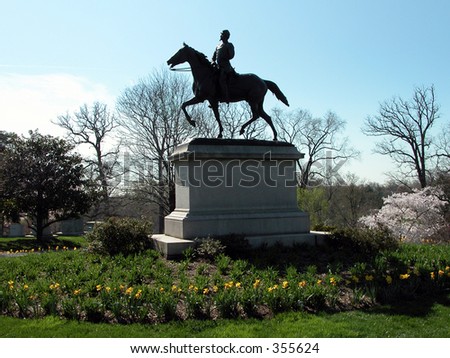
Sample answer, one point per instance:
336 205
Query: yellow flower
388 279
355 279
302 283
369 278
257 283
441 272
229 284
238 285
54 286
98 287
138 294
285 284
319 282
107 289
161 289
75 248
128 291
25 287
206 291
432 275
404 276
333 281
77 292
215 288
174 288
193 288
11 284
447 268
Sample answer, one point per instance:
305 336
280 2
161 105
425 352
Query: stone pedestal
240 187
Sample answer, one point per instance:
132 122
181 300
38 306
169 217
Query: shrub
208 248
362 242
120 236
235 245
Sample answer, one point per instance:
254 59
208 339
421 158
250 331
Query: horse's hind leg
267 118
255 115
258 111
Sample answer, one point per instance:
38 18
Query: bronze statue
242 87
221 58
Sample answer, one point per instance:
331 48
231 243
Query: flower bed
146 288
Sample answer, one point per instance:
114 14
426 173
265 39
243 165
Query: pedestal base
187 225
234 187
172 247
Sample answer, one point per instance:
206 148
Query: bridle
182 69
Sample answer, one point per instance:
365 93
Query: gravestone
71 227
16 230
229 187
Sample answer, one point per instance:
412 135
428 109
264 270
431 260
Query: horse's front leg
191 102
215 108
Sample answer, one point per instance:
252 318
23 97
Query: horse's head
180 57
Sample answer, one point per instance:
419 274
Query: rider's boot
224 89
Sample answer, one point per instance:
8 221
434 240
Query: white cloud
33 101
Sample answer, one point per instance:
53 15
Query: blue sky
345 56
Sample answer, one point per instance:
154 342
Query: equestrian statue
218 82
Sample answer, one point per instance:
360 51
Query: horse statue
242 87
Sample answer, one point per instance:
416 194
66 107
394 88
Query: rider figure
222 55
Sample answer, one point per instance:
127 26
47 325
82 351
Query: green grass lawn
417 319
13 244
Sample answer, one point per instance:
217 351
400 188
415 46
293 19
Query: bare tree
326 150
153 123
93 127
443 150
405 126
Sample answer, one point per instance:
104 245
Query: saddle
230 78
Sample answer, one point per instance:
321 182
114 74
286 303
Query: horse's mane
200 56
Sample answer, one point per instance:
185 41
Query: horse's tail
272 86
